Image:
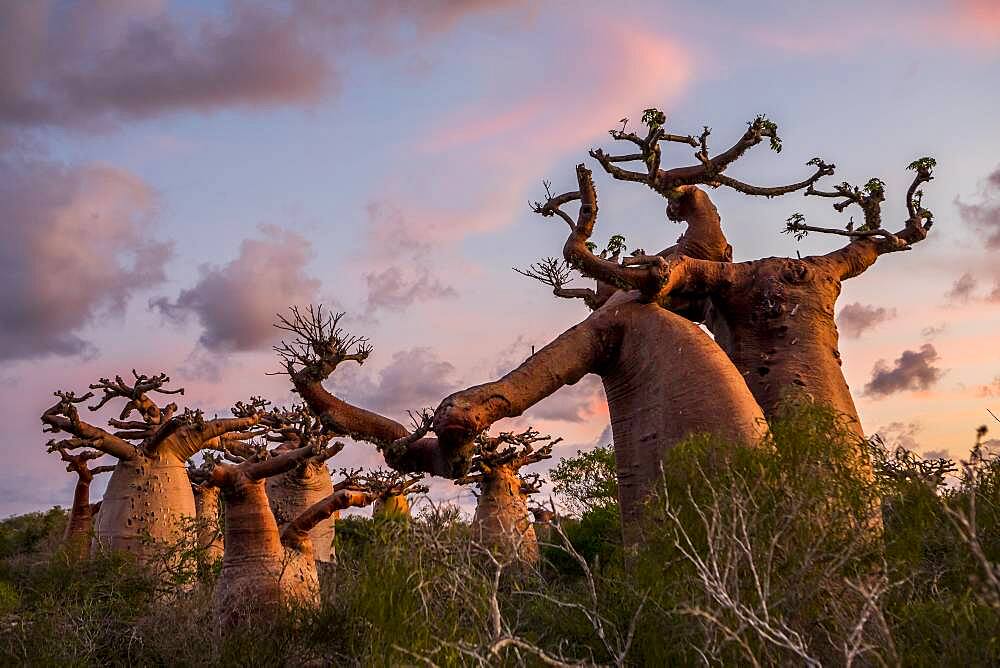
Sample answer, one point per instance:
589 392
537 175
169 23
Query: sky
173 174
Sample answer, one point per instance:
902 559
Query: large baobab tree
653 362
263 568
773 319
80 525
149 492
390 490
501 521
294 491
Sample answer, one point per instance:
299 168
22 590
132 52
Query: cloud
397 288
414 379
984 216
75 247
901 434
962 289
410 276
991 390
912 370
235 304
932 331
573 403
854 319
76 64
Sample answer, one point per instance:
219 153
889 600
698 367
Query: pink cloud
975 23
76 245
77 64
236 303
507 141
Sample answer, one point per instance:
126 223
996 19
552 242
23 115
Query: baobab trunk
211 546
80 524
293 492
501 522
264 571
664 379
258 577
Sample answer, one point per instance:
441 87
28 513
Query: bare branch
319 344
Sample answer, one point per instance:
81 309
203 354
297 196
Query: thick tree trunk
144 504
777 325
259 576
207 509
664 379
80 525
669 381
501 522
291 493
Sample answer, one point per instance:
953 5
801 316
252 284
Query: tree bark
501 522
292 493
208 514
150 494
259 576
775 319
664 379
144 505
80 525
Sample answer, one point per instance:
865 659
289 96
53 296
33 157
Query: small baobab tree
390 490
294 491
264 569
80 525
149 493
501 522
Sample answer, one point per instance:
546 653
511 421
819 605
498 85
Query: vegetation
750 556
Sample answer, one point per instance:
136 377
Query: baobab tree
390 490
208 514
294 491
773 319
264 569
149 492
664 378
501 521
80 525
654 389
317 347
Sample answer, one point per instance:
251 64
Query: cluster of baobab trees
772 337
262 498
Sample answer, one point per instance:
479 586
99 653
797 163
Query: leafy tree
587 482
